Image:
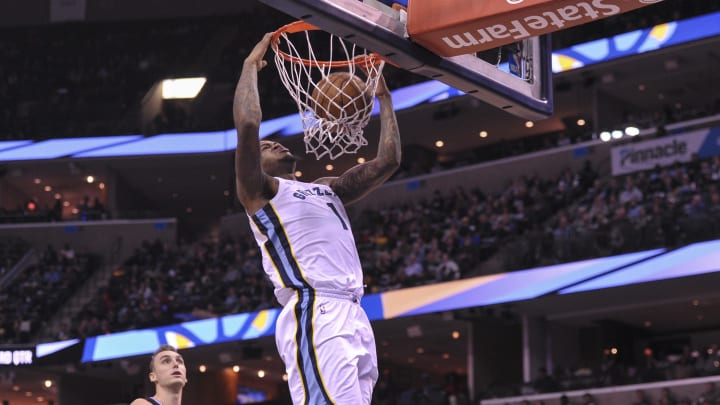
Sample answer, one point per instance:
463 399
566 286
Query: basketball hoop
333 116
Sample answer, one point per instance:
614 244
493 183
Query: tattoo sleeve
361 179
247 116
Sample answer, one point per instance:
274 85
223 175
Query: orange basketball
340 95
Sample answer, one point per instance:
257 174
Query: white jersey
306 241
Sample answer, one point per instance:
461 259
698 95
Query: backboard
519 83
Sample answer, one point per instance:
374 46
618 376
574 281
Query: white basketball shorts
328 347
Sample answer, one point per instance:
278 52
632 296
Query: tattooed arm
254 187
363 178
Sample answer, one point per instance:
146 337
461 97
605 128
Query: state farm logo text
513 2
526 26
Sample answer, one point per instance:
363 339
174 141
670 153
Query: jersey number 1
332 207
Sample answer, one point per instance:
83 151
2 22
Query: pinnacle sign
661 152
458 27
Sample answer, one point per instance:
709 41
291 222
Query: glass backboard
516 78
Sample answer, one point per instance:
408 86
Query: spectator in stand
67 254
642 398
668 183
544 382
709 396
695 224
683 367
630 192
588 399
423 392
56 212
687 186
98 209
413 271
696 207
447 270
612 190
587 175
623 236
599 210
84 209
667 397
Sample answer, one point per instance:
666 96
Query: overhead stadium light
632 131
182 88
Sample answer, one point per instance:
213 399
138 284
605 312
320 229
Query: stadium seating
33 296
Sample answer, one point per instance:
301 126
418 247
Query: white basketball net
326 133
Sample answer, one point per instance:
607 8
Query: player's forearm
389 148
247 116
246 103
363 178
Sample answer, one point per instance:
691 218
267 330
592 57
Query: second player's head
167 368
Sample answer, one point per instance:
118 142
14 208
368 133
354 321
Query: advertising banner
458 27
665 151
18 355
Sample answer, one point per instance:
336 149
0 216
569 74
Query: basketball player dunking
322 333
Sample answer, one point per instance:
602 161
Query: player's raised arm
252 182
363 178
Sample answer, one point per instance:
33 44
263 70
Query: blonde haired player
322 333
168 373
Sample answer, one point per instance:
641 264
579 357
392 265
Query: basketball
340 95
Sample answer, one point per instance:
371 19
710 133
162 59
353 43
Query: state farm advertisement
458 27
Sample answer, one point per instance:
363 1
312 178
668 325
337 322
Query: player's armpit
325 180
361 180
